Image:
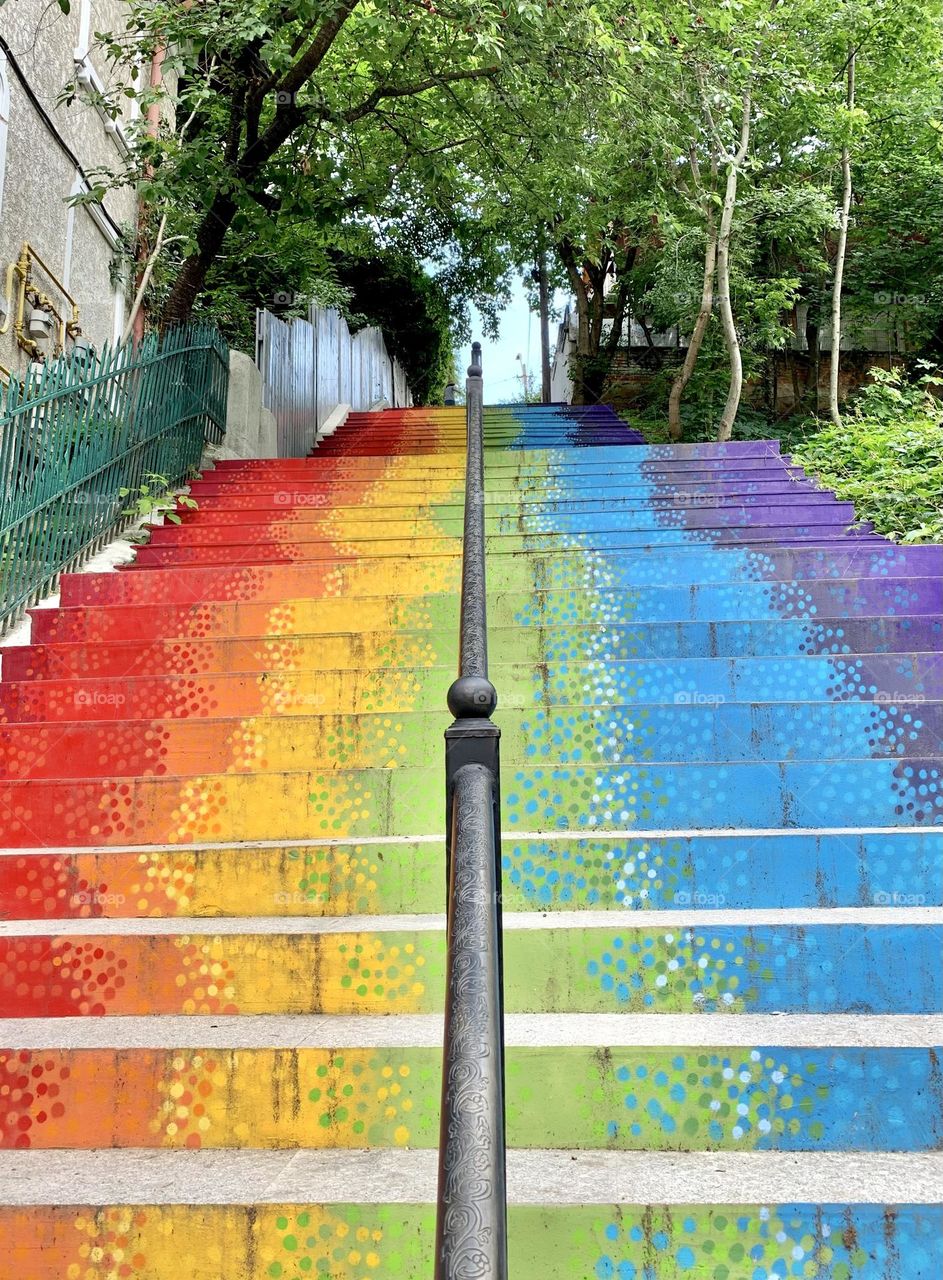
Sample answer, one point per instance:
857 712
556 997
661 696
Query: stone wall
44 140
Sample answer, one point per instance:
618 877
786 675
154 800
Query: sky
519 336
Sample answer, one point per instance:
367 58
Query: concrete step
351 802
257 547
203 628
572 1214
319 488
561 518
755 452
446 487
761 537
551 588
885 679
524 469
418 576
649 733
324 506
661 566
398 443
695 873
633 479
775 474
583 964
564 1097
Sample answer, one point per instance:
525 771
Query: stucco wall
39 174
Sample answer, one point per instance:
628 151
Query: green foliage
700 413
411 309
153 498
449 142
887 458
367 285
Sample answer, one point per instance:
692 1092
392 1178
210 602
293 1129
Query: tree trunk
797 396
683 376
732 342
193 272
588 282
135 323
543 291
835 362
145 259
817 370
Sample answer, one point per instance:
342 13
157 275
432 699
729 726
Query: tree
835 364
327 111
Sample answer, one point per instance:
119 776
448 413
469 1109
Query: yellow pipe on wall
22 268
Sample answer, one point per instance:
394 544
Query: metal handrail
78 437
471 1221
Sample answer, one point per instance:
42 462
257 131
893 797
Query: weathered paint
357 1242
684 640
723 968
883 869
766 1098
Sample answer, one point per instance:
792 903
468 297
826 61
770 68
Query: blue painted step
740 638
883 678
730 871
804 599
682 797
738 731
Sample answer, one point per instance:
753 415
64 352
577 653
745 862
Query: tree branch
297 76
382 92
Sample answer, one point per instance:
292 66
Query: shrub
887 457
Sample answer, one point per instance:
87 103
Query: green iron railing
80 431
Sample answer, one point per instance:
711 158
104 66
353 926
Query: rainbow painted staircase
222 881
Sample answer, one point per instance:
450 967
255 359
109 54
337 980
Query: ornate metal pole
471 1227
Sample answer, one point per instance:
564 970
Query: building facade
63 277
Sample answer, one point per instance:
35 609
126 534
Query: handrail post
471 1222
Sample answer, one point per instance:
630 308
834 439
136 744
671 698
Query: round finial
472 697
474 369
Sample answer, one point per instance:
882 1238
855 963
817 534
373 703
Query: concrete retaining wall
250 427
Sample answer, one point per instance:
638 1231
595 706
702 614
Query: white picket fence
309 367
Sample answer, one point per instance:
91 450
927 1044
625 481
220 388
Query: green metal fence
78 432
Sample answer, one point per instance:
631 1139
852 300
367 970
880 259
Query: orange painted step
162 656
239 694
223 619
255 582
